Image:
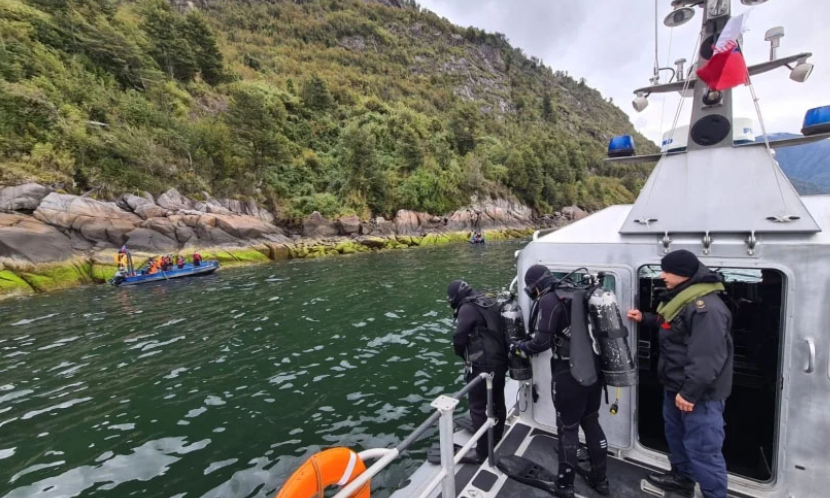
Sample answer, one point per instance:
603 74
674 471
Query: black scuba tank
514 330
615 355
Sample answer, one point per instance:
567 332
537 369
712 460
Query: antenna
774 36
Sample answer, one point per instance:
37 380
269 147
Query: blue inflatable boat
142 277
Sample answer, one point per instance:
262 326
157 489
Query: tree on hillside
255 117
169 45
316 94
464 127
204 48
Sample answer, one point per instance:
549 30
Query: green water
223 385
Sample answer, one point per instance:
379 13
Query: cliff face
350 108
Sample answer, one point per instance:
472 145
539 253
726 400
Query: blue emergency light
817 121
622 146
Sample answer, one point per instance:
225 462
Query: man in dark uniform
575 404
695 367
483 347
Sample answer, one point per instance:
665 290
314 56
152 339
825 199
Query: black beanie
681 263
456 291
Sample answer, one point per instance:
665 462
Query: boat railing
444 408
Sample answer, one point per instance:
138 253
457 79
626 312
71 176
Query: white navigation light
753 2
679 17
801 71
640 103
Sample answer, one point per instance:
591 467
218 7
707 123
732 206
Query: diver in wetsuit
483 346
575 404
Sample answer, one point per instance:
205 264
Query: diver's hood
457 291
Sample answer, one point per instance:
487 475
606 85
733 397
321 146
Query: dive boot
565 481
600 485
673 481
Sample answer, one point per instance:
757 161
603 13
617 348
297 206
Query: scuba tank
514 330
609 332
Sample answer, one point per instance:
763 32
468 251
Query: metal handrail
447 473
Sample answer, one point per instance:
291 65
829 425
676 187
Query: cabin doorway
755 298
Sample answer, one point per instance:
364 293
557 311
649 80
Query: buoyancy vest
487 346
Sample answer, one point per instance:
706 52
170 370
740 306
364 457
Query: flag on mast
727 67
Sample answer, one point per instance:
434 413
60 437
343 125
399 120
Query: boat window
755 298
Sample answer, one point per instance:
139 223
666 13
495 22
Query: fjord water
221 386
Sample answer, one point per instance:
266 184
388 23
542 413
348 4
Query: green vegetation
340 106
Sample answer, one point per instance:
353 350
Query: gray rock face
499 213
96 221
317 226
24 198
406 222
245 227
349 225
24 238
415 223
141 206
383 226
144 239
150 210
172 200
573 213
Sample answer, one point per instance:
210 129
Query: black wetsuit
471 321
575 404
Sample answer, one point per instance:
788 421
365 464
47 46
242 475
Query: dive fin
527 472
434 455
465 423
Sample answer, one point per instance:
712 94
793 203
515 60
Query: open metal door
618 428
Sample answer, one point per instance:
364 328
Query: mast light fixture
801 71
679 17
640 102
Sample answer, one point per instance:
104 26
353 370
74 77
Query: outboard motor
511 318
606 322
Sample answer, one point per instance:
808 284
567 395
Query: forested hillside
340 106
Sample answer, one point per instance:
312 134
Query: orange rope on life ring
338 466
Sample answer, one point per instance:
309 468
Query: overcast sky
610 43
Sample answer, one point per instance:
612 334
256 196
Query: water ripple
221 386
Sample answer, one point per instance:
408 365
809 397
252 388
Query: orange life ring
333 466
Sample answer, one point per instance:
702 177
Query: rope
321 490
770 154
663 107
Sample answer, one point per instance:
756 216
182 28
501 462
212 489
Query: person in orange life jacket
484 350
180 261
197 259
695 368
576 405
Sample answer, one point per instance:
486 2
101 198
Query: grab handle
811 358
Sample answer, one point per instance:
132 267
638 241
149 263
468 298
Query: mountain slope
340 106
807 164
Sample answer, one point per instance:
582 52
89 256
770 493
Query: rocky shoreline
51 240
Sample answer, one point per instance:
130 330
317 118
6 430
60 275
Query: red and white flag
727 68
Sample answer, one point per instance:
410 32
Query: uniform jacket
696 350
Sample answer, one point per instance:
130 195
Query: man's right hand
635 315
